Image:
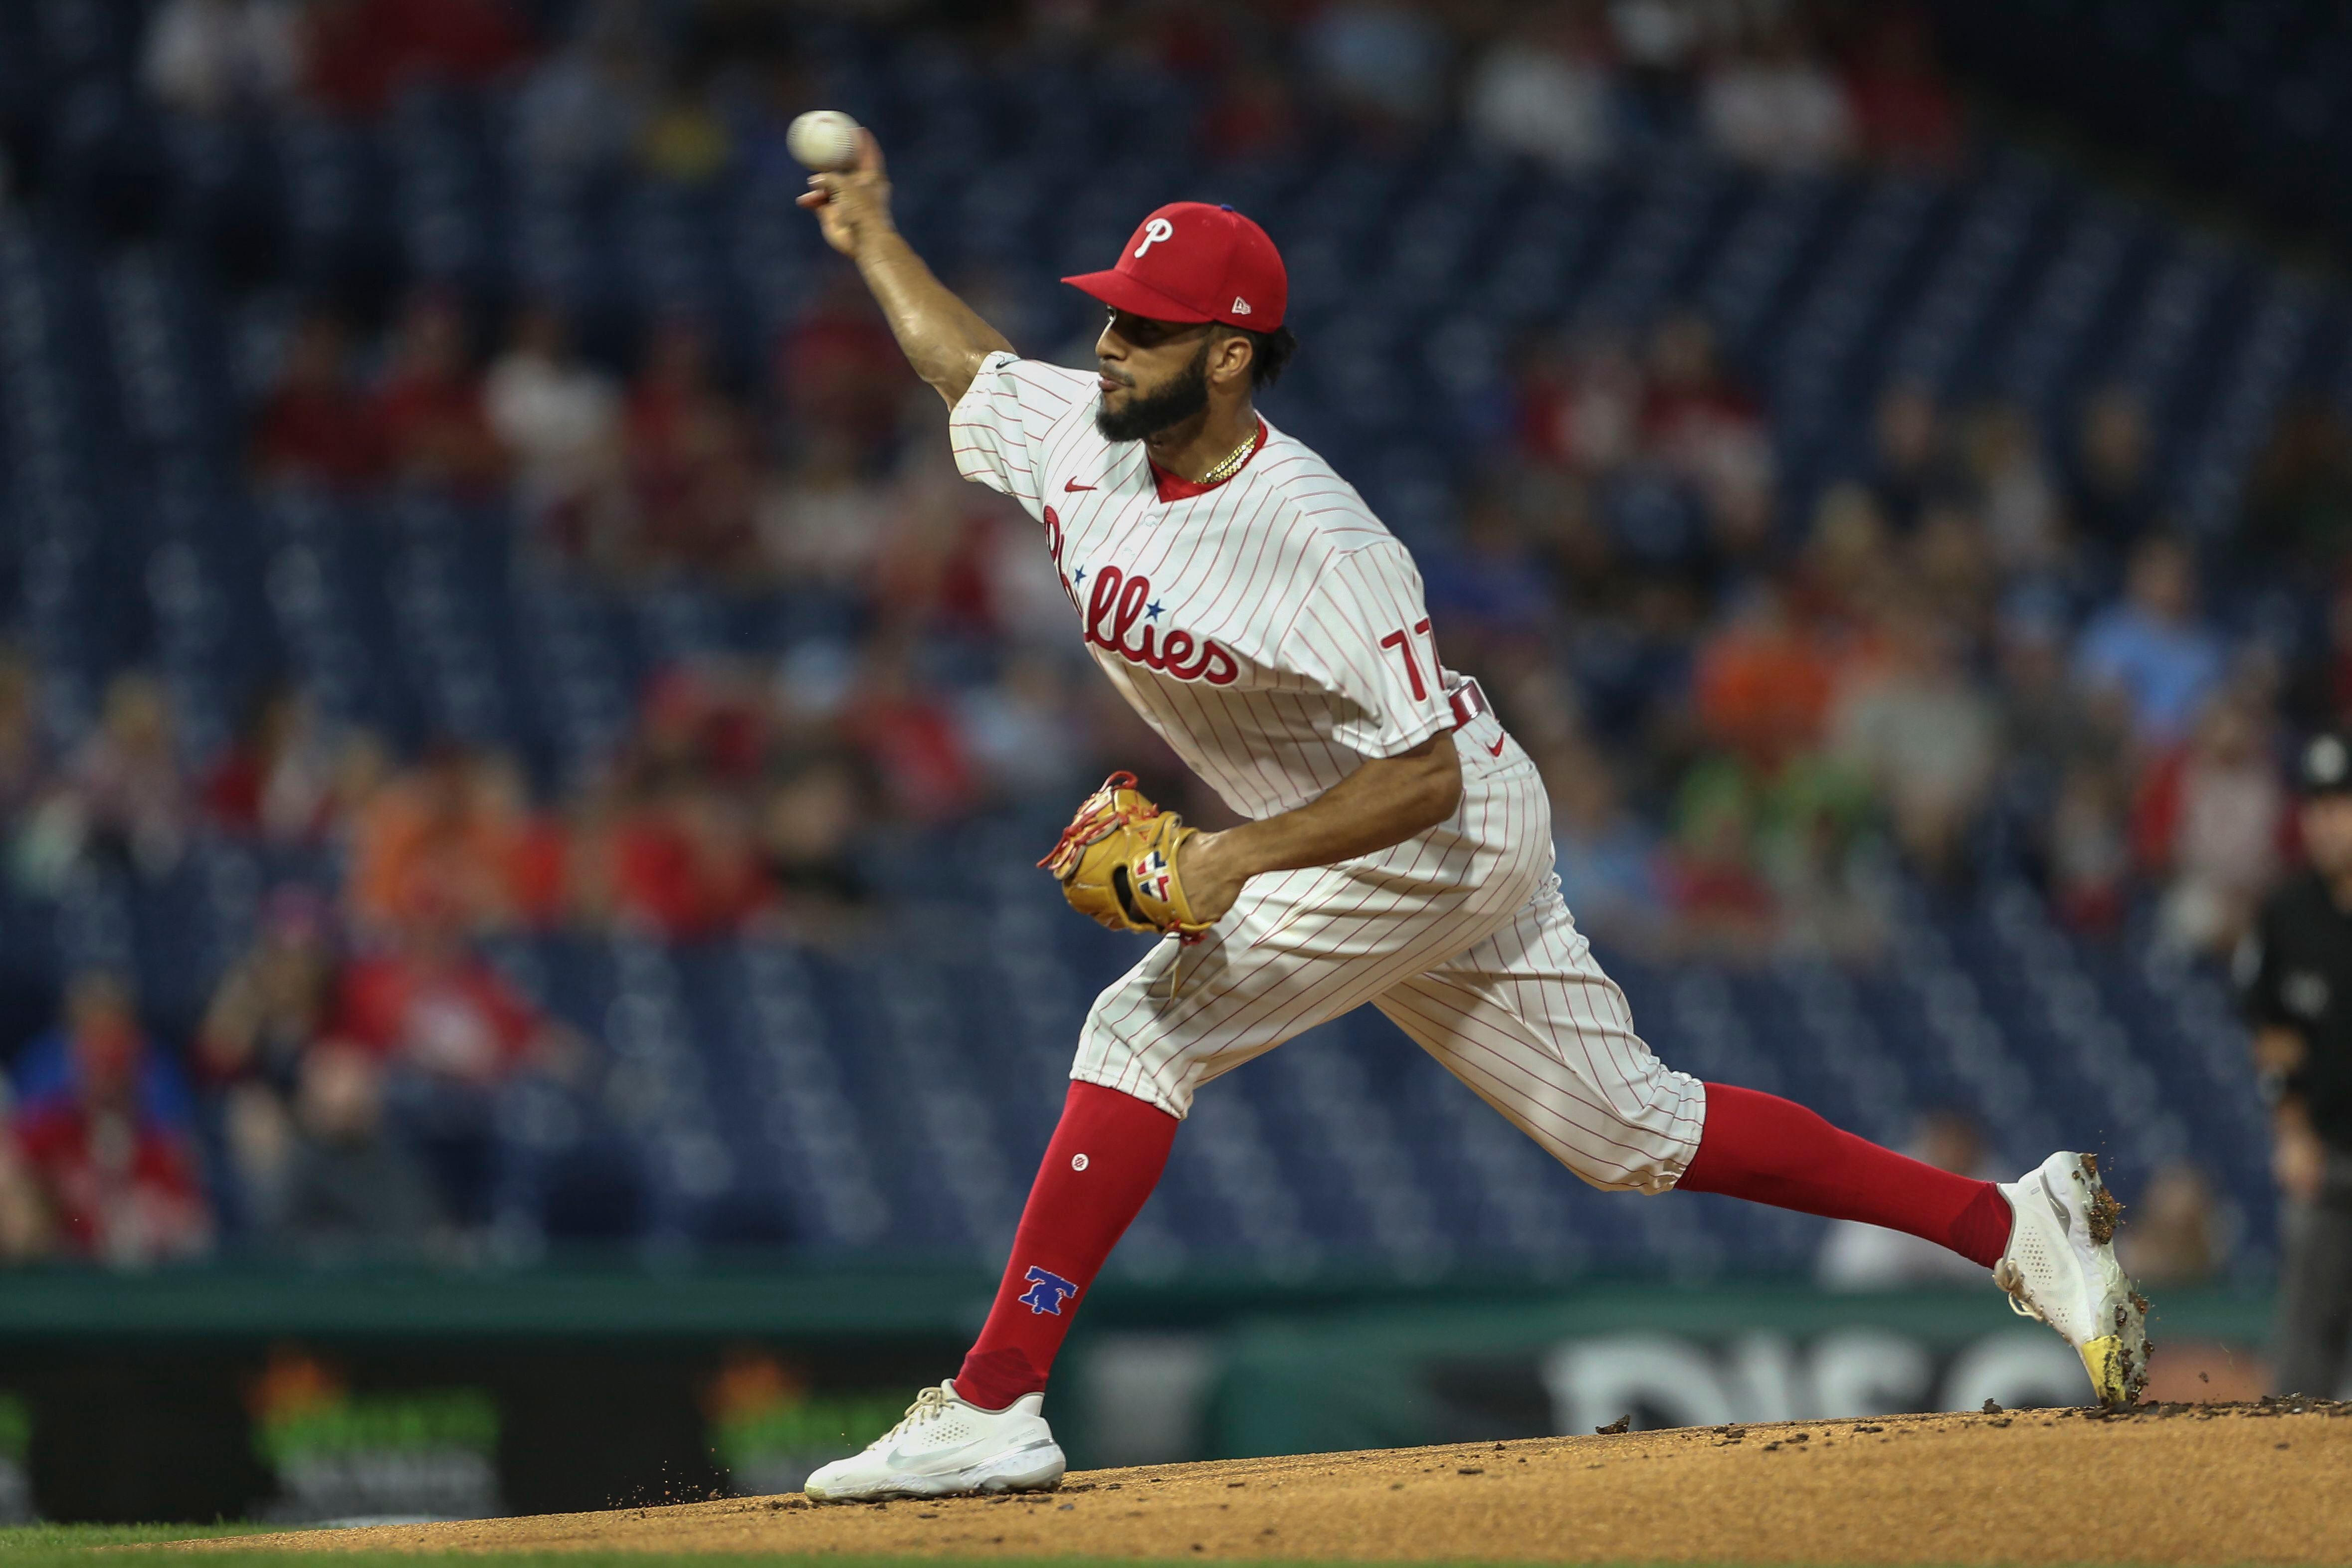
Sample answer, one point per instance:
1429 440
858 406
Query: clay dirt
2266 1482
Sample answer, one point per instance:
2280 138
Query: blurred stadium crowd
1843 509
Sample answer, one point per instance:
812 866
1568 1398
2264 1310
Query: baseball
824 138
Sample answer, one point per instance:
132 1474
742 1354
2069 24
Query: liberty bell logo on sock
1047 1291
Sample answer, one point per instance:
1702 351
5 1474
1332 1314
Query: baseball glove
1116 861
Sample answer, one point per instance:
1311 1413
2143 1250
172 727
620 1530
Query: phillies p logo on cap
1192 262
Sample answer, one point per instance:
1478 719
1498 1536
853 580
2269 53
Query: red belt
1467 699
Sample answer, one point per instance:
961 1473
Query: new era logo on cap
1184 261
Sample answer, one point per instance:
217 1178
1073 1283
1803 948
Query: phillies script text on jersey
1117 602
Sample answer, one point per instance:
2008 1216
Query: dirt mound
2166 1483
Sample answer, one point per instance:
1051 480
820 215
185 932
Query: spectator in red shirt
277 779
117 1181
1695 419
1905 114
838 370
910 737
430 407
690 457
687 864
356 54
710 715
1715 888
1581 403
1255 114
2214 823
427 1002
317 429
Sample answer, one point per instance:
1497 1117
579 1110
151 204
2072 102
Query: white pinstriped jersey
1269 628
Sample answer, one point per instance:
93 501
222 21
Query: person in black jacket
352 1192
2295 969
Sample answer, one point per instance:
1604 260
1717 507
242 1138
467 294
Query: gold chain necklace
1233 462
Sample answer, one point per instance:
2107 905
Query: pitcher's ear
1234 353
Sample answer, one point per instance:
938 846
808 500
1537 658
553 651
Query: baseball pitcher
1397 852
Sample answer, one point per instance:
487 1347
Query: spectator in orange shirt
453 827
1763 685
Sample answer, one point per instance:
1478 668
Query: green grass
19 1540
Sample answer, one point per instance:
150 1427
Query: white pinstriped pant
1460 937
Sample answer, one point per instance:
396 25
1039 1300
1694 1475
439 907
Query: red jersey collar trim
1176 487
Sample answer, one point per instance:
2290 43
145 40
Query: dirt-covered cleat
2060 1269
945 1447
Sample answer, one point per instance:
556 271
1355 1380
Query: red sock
1771 1151
1104 1161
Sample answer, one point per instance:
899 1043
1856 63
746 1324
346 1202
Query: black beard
1145 416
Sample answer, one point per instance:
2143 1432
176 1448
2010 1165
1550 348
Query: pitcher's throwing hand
852 199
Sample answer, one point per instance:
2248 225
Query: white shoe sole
1035 1469
2116 1359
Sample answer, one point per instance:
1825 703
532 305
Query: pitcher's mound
2172 1483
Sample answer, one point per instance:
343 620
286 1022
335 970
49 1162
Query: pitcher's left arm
1385 802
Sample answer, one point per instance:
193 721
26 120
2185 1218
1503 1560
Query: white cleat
2060 1269
946 1447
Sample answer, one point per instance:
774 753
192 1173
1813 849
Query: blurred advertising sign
1397 1376
302 1395
1663 1380
768 1430
428 1453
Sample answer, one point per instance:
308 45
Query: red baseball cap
1193 262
